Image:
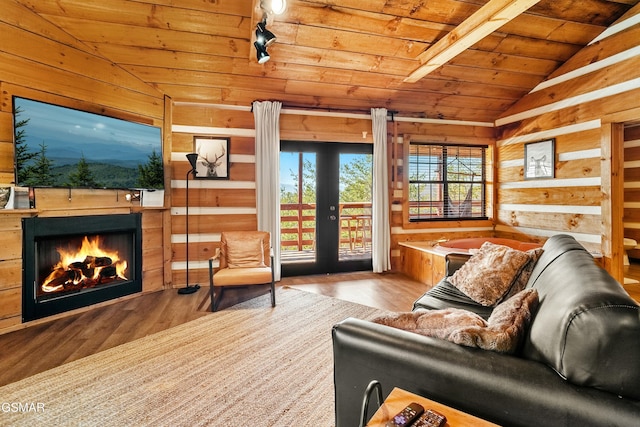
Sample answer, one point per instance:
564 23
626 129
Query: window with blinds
446 182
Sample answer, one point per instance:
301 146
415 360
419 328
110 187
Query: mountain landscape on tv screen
112 149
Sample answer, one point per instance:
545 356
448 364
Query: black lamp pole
192 157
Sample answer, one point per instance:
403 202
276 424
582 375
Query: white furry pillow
488 275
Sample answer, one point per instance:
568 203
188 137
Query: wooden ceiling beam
485 21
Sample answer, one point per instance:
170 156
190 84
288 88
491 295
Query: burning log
63 277
108 272
81 267
93 262
81 274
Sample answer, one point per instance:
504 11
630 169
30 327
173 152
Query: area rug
249 364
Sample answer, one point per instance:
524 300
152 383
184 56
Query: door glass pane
298 206
356 179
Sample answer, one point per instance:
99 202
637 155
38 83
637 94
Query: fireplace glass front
75 262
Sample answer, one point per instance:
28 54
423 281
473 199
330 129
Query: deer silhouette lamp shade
212 157
193 161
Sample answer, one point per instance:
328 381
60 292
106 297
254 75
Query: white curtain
267 122
381 234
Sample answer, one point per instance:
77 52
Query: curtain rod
293 109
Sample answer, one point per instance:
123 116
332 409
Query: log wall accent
214 205
41 61
632 186
598 87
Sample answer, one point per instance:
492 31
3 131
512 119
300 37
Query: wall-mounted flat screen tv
62 147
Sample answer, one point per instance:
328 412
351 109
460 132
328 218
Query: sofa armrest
503 389
454 261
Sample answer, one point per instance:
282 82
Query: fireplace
74 262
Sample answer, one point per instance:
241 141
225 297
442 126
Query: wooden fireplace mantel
153 258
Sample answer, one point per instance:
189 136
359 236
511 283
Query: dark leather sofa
579 364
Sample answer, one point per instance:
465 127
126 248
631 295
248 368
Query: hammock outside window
446 182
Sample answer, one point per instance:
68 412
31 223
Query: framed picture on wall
539 159
213 157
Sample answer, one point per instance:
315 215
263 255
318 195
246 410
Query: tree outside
23 155
151 174
39 172
356 179
82 176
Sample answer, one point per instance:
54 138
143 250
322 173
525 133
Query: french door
325 207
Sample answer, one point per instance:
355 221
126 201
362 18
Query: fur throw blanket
502 332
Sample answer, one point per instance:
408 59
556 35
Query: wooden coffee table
399 399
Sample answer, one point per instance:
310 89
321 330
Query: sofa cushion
587 328
489 274
506 326
242 276
445 295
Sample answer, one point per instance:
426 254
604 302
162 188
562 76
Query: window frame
445 183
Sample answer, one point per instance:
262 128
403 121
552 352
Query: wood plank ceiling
346 55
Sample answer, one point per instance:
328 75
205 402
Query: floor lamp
192 157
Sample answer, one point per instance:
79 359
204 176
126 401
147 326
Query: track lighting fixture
264 38
263 55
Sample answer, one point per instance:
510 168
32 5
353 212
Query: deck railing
298 225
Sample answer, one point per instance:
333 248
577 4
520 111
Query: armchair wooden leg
215 300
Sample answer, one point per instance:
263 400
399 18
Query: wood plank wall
214 205
579 106
632 186
42 62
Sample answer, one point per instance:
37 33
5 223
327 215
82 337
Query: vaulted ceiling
346 55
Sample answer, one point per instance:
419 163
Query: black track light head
264 36
263 55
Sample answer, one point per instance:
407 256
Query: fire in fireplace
75 262
92 264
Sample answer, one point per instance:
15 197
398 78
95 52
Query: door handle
332 217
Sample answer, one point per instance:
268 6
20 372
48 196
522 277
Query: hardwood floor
388 291
37 348
40 347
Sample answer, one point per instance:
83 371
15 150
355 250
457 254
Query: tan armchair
245 259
